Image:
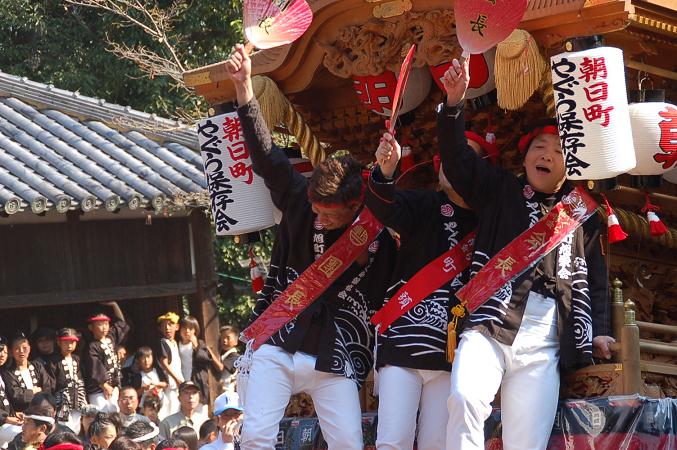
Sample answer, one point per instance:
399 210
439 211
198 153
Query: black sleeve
474 178
598 283
118 332
268 161
380 272
95 369
18 397
229 363
45 380
201 358
396 208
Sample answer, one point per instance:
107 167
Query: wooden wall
62 257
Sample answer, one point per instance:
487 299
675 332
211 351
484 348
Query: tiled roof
60 151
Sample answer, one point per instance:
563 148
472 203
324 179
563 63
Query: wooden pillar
203 303
632 372
617 315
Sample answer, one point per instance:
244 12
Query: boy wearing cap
551 316
170 361
189 412
228 414
102 368
413 371
69 387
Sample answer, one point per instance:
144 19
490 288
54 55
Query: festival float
607 69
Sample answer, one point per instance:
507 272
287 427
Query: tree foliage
77 45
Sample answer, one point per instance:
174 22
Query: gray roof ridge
74 103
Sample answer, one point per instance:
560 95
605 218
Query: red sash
315 279
437 272
528 248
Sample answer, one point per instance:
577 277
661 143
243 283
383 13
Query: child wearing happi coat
69 387
170 361
102 368
23 378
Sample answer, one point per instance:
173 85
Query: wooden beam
656 327
97 295
656 367
203 301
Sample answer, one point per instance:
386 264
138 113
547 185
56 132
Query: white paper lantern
592 113
654 134
240 201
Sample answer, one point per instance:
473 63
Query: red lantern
481 74
376 92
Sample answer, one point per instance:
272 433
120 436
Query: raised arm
473 177
268 161
399 210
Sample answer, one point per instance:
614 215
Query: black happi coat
69 386
101 361
574 273
132 375
336 326
15 388
429 224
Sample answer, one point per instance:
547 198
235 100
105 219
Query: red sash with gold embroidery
441 270
315 279
528 248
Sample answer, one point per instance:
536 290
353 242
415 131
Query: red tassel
407 161
616 233
256 273
656 225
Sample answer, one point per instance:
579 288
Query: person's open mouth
543 169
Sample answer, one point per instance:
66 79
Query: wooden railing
629 346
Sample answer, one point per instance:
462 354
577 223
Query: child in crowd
103 431
170 361
23 378
151 408
10 422
69 386
228 340
102 367
196 358
146 375
45 348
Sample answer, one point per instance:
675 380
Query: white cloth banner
240 201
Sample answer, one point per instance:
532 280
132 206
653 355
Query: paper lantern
592 113
654 135
481 24
240 201
481 74
269 24
377 92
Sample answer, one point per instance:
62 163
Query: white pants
7 433
403 392
73 421
275 375
103 405
527 374
170 402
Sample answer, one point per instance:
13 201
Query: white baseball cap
227 400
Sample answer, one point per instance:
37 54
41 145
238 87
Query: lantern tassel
256 273
616 233
656 225
518 69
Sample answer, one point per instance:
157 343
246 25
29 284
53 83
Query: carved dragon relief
380 44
